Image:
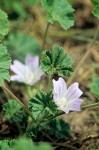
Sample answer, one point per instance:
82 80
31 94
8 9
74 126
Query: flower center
30 77
62 103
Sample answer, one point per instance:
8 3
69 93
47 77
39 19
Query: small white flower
67 99
28 73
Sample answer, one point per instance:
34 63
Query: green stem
49 82
62 113
70 34
17 100
83 107
29 91
45 35
90 105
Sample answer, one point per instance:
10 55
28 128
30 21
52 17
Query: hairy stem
49 82
62 113
83 58
45 36
17 100
82 108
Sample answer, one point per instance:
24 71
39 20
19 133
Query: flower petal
37 77
15 78
17 67
32 61
29 73
59 88
74 106
73 92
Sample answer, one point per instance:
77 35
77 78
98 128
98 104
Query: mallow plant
38 119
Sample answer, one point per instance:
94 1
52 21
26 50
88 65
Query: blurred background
27 27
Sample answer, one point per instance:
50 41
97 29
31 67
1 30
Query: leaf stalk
17 100
45 35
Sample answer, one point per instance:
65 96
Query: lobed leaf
42 103
11 108
60 11
4 24
59 128
19 45
56 62
5 62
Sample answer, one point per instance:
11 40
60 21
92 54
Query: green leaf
59 128
5 62
14 6
56 62
11 108
17 6
95 2
96 11
41 104
4 24
25 144
60 11
33 133
96 8
94 88
19 45
4 145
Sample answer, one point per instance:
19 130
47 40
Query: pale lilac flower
67 98
28 73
